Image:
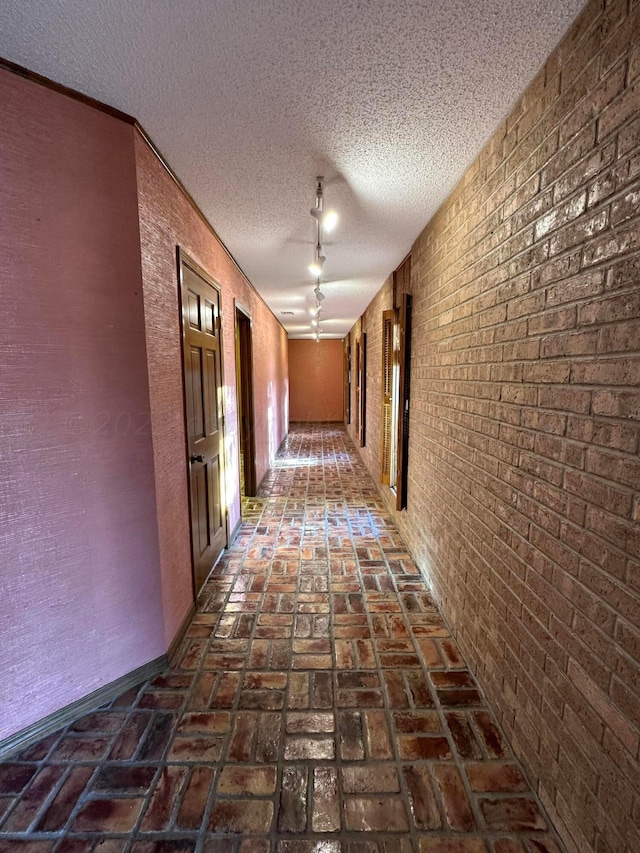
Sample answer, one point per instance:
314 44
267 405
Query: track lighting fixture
325 221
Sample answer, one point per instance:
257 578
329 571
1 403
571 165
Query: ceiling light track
326 221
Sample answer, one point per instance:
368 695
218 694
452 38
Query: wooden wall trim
235 531
163 162
63 716
180 633
40 79
14 68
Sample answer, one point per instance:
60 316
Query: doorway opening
347 382
244 384
396 374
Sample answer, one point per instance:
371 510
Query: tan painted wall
315 380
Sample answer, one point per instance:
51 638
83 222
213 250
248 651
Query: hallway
318 703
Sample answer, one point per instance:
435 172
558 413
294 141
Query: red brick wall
168 219
523 486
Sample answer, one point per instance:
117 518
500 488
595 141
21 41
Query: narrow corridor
318 703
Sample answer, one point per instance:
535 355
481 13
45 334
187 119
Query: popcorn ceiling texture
523 502
250 101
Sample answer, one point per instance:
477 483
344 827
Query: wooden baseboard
48 725
182 630
234 532
262 479
264 476
332 423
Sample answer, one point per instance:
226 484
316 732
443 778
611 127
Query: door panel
203 398
194 311
209 317
201 509
213 381
214 496
197 399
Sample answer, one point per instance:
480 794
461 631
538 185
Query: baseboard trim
264 476
262 479
182 630
234 532
266 473
62 717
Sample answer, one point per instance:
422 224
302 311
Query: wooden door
205 418
388 324
404 377
362 388
358 412
244 382
347 381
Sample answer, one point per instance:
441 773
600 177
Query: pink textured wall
79 567
315 380
168 219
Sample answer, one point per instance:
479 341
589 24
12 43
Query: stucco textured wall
79 570
96 556
167 220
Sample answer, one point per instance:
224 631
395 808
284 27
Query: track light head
319 294
316 267
328 219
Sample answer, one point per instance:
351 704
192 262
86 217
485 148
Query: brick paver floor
318 703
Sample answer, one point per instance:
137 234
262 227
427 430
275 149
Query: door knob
197 457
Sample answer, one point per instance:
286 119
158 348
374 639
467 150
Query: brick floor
318 703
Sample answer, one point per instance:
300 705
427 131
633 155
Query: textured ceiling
249 101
